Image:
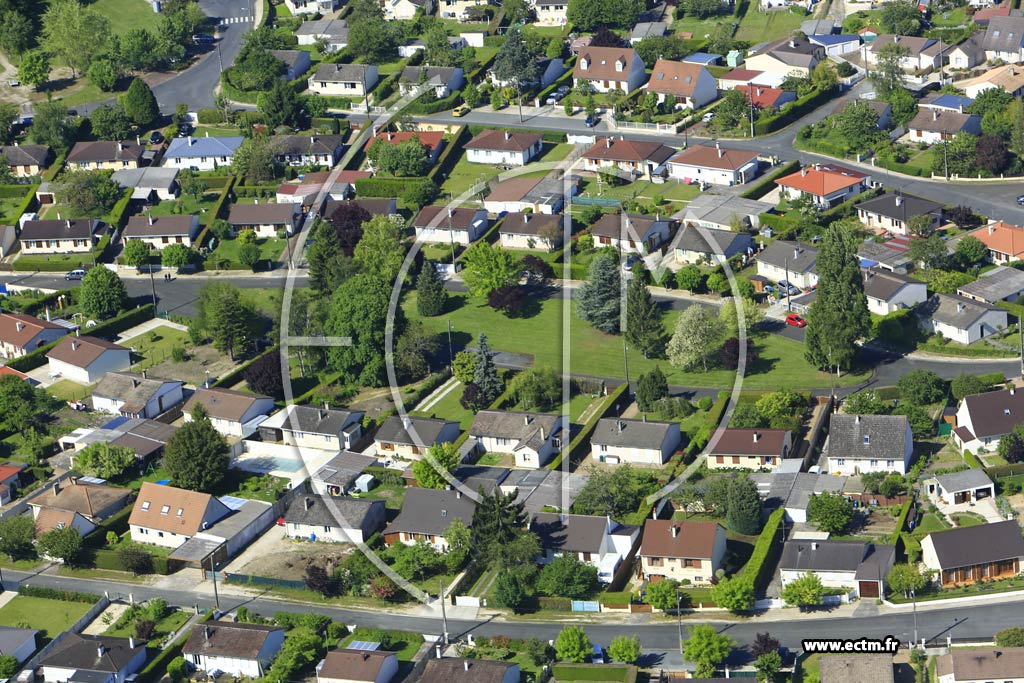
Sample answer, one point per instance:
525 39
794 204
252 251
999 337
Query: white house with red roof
504 147
638 158
826 185
716 165
609 68
692 85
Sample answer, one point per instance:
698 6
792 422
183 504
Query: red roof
430 139
4 370
746 75
762 96
9 472
819 181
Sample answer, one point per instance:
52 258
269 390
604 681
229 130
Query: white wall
497 156
109 361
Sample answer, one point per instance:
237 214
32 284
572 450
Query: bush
56 594
761 565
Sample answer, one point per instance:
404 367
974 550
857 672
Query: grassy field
49 616
466 174
188 206
449 408
642 189
66 390
271 249
403 644
155 347
761 26
170 623
125 15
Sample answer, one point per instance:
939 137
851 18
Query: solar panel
232 502
363 645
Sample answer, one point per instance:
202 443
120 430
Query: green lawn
759 26
10 209
809 671
66 390
170 623
49 616
155 347
270 249
125 15
188 206
466 174
403 644
641 189
449 408
391 494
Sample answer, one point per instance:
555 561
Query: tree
858 125
497 520
87 192
464 366
460 545
568 577
763 644
140 103
805 591
509 590
731 351
359 310
970 250
280 105
225 317
263 376
196 456
249 255
824 77
921 388
75 34
830 512
63 543
16 535
904 578
35 68
102 294
537 269
254 158
690 278
588 15
177 256
430 293
22 405
109 122
625 649
901 17
599 297
888 75
1010 637
663 595
839 315
572 645
486 374
701 9
616 493
103 460
779 407
488 268
956 157
9 666
707 648
752 315
966 385
539 388
381 250
50 126
413 351
744 516
644 327
651 387
920 225
735 594
443 457
696 338
516 63
768 666
17 35
991 154
930 253
1011 447
408 158
136 253
135 558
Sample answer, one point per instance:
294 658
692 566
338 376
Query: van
76 274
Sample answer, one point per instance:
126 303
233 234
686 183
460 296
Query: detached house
974 665
405 10
681 550
551 12
966 555
313 427
962 320
334 519
922 53
266 220
309 150
639 159
764 97
426 515
106 154
202 154
136 395
526 194
826 186
531 231
443 80
992 286
983 419
469 671
790 261
77 504
446 225
787 56
236 648
891 212
311 6
344 80
148 183
233 413
159 231
889 292
95 659
1004 40
637 442
346 665
410 437
632 232
959 488
503 147
935 125
752 449
691 244
857 566
532 438
549 70
296 62
21 334
168 516
716 165
609 68
343 474
594 540
1005 242
67 236
334 32
691 85
858 444
87 359
27 160
1009 77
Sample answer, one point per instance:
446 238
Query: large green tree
567 576
102 294
497 520
109 122
430 293
587 15
359 311
651 387
644 327
16 535
599 299
50 126
75 33
225 316
63 543
572 644
805 591
744 515
697 337
831 512
443 457
839 315
254 158
196 456
888 74
35 68
707 648
381 249
280 105
87 193
487 268
140 103
485 374
103 460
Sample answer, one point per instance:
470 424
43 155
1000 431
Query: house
410 437
309 150
889 292
836 45
884 257
792 490
958 488
469 671
965 555
446 225
716 165
1004 40
791 261
444 80
146 438
764 97
647 29
591 539
18 642
1005 242
159 231
858 566
105 154
92 502
725 212
233 413
637 442
426 515
10 480
632 232
202 154
482 477
296 62
969 53
432 141
87 359
383 207
983 419
992 286
793 55
691 245
961 320
27 160
136 395
877 668
464 10
549 70
532 438
752 449
826 186
305 190
342 474
346 665
91 658
333 33
406 10
48 519
503 147
344 80
691 85
168 516
224 539
67 236
335 519
923 54
529 194
609 68
892 211
149 183
977 665
736 78
1009 77
639 159
858 444
935 125
551 12
266 220
235 648
21 334
677 550
531 230
311 6
313 427
883 110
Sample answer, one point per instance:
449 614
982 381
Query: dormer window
584 63
620 65
867 440
145 506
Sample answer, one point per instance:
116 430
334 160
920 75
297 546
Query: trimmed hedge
901 521
420 107
766 185
15 191
118 215
594 672
235 376
580 444
972 461
1000 471
386 187
761 565
793 112
210 116
55 168
551 136
451 154
156 668
218 212
56 594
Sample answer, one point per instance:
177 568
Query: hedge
766 185
15 191
218 211
117 522
55 168
235 376
215 182
418 106
111 559
901 521
761 565
580 444
156 668
716 412
594 672
210 116
119 214
52 263
793 112
36 306
1000 471
29 202
56 594
451 154
386 187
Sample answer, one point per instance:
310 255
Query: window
720 459
657 561
181 511
327 529
840 461
164 509
890 463
735 460
874 463
145 506
689 563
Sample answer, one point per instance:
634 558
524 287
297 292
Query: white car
708 117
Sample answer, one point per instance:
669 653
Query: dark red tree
605 37
348 221
537 268
264 376
472 399
730 354
991 154
508 299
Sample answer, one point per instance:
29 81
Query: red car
795 320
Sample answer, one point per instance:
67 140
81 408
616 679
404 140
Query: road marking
237 20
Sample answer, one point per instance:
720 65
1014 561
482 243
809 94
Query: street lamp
913 596
679 618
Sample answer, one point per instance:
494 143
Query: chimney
437 650
135 383
138 141
1013 391
960 307
526 218
206 632
144 375
814 545
326 407
74 346
451 212
465 665
760 91
508 135
675 530
991 229
721 152
190 141
796 252
131 643
56 487
792 43
458 494
308 502
803 172
856 420
935 114
321 414
121 147
899 200
406 422
207 133
618 426
543 434
644 418
58 215
99 651
312 140
68 223
526 420
961 108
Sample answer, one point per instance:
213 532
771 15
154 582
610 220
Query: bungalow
974 665
344 80
946 102
87 359
860 567
992 286
168 516
311 6
463 10
883 110
793 490
106 154
67 236
637 442
426 515
531 230
233 413
1005 242
630 232
551 12
18 642
432 141
639 159
409 438
958 488
752 449
716 165
965 555
1008 77
342 474
836 45
922 54
313 427
889 292
725 212
609 68
305 190
549 70
136 395
595 540
21 334
983 419
523 193
149 183
346 665
532 438
891 212
935 125
202 154
1004 40
793 55
159 231
826 186
763 97
459 225
693 551
791 261
962 320
309 150
443 80
877 668
27 160
736 78
335 519
93 502
266 220
333 33
296 62
859 444
691 85
48 519
406 10
885 257
503 147
691 245
96 659
469 671
237 649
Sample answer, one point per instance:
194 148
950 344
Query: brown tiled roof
353 665
105 150
695 540
513 189
761 96
86 499
168 508
222 403
158 226
674 78
601 63
516 223
818 181
504 140
618 149
431 139
714 157
49 519
981 665
30 327
82 351
262 214
751 442
453 669
228 639
939 121
741 75
59 229
610 225
461 218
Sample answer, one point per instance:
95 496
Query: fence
586 606
596 201
77 627
250 580
639 125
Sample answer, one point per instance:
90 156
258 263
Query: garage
868 589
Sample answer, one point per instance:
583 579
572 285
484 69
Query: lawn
466 174
808 671
642 189
188 206
271 248
10 209
49 616
392 494
169 624
155 346
66 390
403 644
449 408
125 15
759 26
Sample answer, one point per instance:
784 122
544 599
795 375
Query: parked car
203 39
76 274
554 98
591 121
793 320
786 288
1020 200
156 137
461 110
708 117
598 656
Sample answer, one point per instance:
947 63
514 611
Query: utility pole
913 596
451 358
789 297
679 618
213 571
444 614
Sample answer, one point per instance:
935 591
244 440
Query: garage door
868 589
